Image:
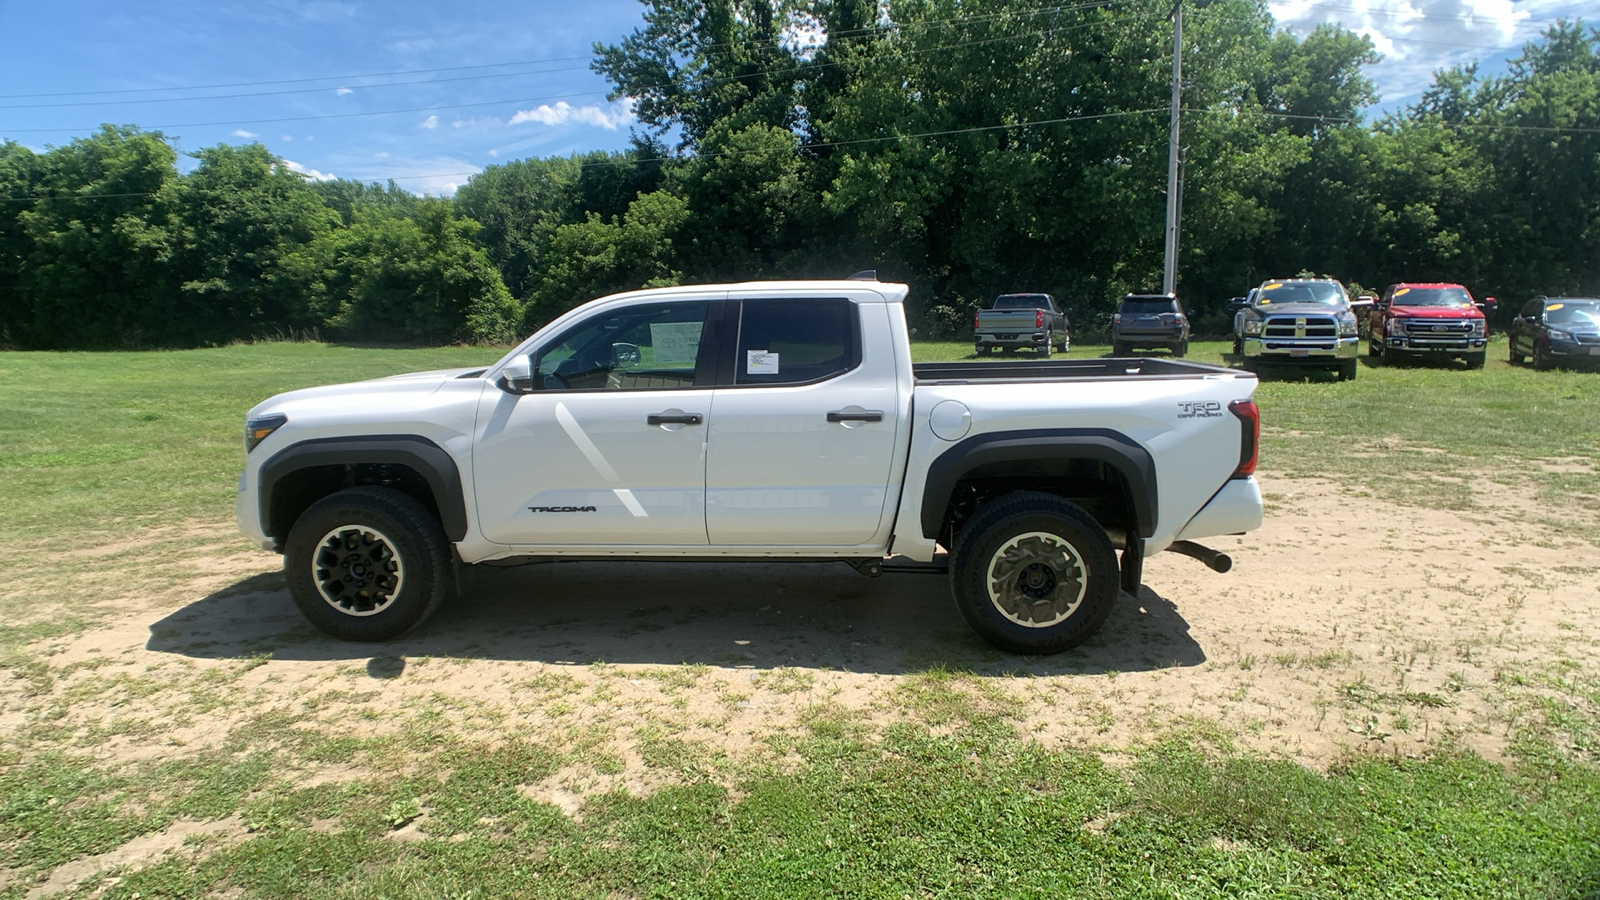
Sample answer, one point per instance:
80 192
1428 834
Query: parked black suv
1557 330
1148 322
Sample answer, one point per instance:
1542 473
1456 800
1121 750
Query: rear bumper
1004 339
1234 509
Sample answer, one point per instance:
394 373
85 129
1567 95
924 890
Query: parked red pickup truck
1428 321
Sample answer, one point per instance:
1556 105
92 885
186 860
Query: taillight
1038 318
974 320
1250 438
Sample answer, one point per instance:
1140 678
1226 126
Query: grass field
155 774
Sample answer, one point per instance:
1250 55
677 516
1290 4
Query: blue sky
428 94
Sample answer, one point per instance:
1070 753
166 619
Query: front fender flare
423 456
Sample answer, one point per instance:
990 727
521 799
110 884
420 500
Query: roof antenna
864 275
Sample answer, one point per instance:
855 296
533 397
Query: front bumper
1437 346
1296 351
247 511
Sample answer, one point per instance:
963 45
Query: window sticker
1554 306
1273 286
1402 291
676 343
760 362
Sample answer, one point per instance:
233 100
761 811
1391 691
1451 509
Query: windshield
1452 297
1325 292
1573 312
1022 301
1146 307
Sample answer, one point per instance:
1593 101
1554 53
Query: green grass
132 458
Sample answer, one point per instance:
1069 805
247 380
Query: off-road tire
1238 346
1476 360
367 564
1044 352
1180 349
1033 573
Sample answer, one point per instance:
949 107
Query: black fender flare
1113 448
425 457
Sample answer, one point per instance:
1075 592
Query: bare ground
1349 625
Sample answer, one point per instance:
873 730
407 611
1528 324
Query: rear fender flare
1113 448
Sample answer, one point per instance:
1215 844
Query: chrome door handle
869 415
673 419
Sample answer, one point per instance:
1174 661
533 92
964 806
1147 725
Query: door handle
869 415
671 419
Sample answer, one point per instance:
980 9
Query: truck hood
413 383
1296 309
1435 312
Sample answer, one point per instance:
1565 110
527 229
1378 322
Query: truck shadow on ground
807 615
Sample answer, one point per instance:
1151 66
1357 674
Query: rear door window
783 341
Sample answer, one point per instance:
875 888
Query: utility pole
1169 276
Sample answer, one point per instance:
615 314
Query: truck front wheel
1033 573
367 564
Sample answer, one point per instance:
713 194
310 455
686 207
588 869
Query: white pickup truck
773 421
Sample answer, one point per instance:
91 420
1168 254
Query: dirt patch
1350 624
138 853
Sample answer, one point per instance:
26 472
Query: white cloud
430 122
240 132
342 91
610 118
381 154
286 137
1420 37
494 152
309 172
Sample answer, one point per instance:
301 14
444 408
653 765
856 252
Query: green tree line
968 148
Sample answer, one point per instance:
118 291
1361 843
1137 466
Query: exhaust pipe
1217 562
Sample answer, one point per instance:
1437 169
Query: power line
820 145
804 68
712 49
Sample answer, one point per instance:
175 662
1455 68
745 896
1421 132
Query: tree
596 257
98 269
242 210
393 277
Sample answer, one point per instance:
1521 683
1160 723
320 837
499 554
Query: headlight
1347 324
256 430
1252 326
1560 336
1480 327
1397 326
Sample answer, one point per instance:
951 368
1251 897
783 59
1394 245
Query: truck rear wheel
367 564
1044 351
1120 348
1033 573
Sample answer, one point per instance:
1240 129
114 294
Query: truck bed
1066 370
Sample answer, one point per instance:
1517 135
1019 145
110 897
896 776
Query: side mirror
1489 304
625 356
517 376
1238 303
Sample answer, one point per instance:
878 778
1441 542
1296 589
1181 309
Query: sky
428 94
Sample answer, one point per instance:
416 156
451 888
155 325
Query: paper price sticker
760 362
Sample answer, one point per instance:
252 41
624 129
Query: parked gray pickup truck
1033 321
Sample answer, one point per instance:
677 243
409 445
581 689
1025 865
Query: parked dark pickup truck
1033 321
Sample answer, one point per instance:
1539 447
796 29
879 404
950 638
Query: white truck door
803 426
610 446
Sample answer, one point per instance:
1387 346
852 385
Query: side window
796 341
1532 309
648 347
